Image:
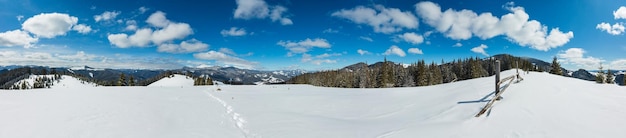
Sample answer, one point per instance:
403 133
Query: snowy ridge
64 81
176 81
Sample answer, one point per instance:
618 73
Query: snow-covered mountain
542 105
175 81
244 76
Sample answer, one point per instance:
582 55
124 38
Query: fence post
497 76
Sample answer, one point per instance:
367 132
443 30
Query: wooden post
497 77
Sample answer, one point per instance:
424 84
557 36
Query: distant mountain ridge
229 75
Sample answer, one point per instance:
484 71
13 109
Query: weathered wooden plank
493 100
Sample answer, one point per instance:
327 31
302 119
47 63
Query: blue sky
307 34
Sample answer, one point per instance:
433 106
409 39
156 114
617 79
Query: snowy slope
65 81
543 105
176 81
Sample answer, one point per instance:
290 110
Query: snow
543 105
176 81
71 82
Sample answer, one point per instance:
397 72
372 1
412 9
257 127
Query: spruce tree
556 67
122 80
609 77
131 80
600 76
422 74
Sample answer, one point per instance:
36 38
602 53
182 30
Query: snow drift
543 105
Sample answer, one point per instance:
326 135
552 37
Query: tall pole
497 77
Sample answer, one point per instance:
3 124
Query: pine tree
556 67
422 74
122 80
131 80
609 77
600 76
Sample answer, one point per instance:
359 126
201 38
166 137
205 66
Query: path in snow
239 121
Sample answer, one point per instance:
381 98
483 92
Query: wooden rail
499 91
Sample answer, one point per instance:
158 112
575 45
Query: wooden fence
499 91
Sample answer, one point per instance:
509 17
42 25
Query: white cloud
81 58
141 38
82 28
158 19
363 52
480 49
415 51
258 9
234 31
226 59
106 16
383 20
620 13
166 33
412 38
330 30
463 24
615 29
49 25
19 17
457 45
188 46
575 56
171 32
304 46
17 38
366 38
131 25
143 10
395 50
319 59
618 64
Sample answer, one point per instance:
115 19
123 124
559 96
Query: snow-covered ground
542 105
176 81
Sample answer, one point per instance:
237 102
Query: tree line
390 74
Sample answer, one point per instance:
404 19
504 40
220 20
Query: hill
175 81
543 105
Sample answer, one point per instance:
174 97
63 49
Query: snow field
543 105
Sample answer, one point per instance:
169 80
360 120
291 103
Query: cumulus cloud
17 38
82 28
226 59
304 46
131 25
383 20
19 17
575 56
457 45
106 16
141 38
188 46
158 19
234 31
620 13
615 29
516 26
395 50
49 25
412 38
166 32
258 9
480 49
415 51
363 52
